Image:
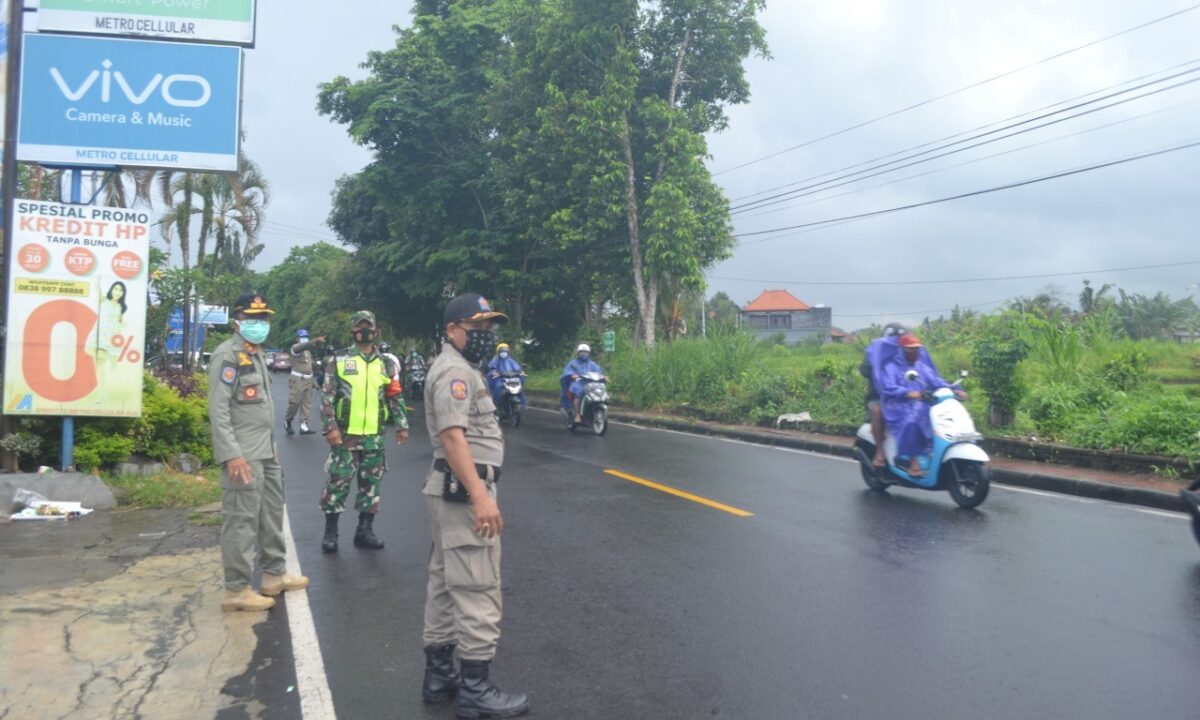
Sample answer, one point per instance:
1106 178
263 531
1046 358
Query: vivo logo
165 85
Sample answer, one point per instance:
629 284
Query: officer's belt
487 473
301 375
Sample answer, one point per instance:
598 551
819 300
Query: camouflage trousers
357 457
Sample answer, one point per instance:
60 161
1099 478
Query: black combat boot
329 542
441 679
364 536
288 426
479 698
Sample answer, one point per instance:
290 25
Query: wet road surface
829 601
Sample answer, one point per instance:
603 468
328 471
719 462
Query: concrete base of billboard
88 490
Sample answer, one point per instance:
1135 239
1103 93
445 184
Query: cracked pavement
118 616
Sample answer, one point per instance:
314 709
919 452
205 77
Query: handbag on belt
455 491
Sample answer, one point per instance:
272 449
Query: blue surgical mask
255 331
503 356
584 356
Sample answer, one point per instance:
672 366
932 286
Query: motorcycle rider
414 360
891 333
504 362
903 409
571 380
385 352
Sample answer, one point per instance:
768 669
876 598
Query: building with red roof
778 312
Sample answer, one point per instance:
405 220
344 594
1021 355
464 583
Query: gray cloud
836 64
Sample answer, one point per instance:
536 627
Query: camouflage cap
362 315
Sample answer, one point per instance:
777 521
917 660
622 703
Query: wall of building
805 325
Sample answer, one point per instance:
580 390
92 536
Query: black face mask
479 345
364 336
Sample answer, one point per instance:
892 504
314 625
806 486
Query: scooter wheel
968 483
599 421
516 418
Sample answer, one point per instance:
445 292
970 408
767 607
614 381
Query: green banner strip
232 10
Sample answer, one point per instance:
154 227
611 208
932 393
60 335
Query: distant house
778 312
842 337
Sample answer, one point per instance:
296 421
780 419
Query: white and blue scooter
957 464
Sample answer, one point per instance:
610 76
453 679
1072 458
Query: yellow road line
680 493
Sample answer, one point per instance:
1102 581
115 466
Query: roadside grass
1106 396
167 489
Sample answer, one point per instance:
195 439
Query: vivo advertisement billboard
101 102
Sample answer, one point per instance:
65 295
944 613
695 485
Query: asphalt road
830 601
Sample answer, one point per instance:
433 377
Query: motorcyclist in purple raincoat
905 413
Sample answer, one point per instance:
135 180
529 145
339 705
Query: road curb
1077 486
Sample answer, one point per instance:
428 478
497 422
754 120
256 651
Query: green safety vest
362 410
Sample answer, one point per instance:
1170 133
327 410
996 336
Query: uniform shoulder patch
458 389
228 374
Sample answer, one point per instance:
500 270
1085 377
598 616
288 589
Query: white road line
316 702
1164 513
1043 493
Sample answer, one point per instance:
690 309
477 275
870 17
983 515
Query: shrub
171 424
95 447
1155 424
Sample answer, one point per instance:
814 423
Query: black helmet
385 348
895 329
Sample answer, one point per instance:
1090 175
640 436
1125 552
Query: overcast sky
837 64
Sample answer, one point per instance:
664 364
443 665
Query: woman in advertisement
110 335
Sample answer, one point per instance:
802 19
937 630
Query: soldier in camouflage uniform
358 395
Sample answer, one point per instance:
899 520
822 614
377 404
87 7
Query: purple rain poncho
908 420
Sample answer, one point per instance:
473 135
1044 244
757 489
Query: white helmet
583 347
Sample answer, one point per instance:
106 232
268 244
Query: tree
549 152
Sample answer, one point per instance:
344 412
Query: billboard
218 21
76 310
99 102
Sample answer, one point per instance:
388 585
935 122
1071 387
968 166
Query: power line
977 128
973 160
882 168
929 312
973 193
1039 276
959 90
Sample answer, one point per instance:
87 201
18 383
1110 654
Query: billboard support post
68 422
8 173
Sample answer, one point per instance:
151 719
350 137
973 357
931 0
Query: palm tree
181 194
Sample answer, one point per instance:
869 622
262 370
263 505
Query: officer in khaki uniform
463 602
300 382
242 416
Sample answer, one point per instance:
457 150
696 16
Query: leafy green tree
305 290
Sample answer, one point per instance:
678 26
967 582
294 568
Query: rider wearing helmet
385 351
891 334
571 380
504 362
